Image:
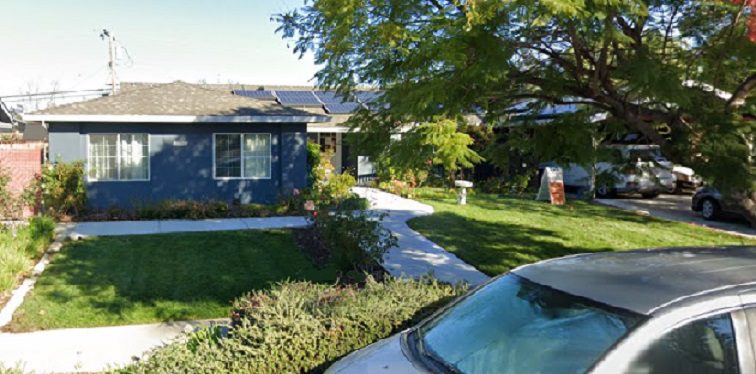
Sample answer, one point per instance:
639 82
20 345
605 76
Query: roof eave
174 118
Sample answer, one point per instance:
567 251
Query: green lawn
496 234
151 278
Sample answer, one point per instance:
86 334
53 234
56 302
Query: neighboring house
181 141
330 135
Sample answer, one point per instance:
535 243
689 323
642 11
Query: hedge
300 327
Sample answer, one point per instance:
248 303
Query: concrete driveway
677 208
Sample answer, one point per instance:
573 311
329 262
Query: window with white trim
245 156
118 157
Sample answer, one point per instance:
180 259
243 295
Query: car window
513 325
703 346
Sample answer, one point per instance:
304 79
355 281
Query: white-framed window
118 157
242 156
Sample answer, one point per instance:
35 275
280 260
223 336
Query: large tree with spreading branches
680 72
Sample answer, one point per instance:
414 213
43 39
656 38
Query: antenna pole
111 59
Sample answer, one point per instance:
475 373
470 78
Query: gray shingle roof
175 99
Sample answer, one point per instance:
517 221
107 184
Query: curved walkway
96 349
416 255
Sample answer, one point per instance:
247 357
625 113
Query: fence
22 162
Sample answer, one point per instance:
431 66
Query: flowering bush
59 189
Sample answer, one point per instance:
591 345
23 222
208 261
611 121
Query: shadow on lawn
575 208
173 276
494 247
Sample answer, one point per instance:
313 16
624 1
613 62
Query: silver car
684 310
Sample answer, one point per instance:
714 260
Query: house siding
186 171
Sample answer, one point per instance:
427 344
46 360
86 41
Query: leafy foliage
355 239
655 67
60 188
11 206
337 187
19 247
300 327
314 175
435 143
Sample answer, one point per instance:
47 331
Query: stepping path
416 255
96 349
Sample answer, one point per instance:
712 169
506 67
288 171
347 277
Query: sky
49 44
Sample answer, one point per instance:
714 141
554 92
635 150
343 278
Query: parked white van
640 173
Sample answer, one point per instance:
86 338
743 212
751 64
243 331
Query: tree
427 144
679 72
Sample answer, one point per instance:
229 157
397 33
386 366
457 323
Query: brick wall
22 162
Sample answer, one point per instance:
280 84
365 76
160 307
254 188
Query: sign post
552 186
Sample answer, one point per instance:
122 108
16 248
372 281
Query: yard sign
552 186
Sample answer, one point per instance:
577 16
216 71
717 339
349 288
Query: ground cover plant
496 233
152 278
301 327
20 247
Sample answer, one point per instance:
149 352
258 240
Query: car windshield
513 325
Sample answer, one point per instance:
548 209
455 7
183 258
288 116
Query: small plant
356 240
60 190
337 188
12 138
19 247
517 184
354 203
315 174
11 206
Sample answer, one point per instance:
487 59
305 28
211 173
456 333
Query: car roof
644 281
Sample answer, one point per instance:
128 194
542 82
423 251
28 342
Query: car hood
384 356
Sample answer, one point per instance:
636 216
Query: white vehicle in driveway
680 310
639 172
626 180
685 178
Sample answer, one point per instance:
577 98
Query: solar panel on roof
341 108
331 97
367 96
257 94
304 98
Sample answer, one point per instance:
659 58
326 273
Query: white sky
47 41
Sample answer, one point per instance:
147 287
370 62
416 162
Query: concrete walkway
96 349
88 349
85 229
416 255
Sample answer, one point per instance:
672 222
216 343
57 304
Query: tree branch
742 93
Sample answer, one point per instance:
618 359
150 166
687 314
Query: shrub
190 209
354 203
20 247
300 327
11 207
355 240
60 188
518 184
398 187
337 188
314 175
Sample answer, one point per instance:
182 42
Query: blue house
181 141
